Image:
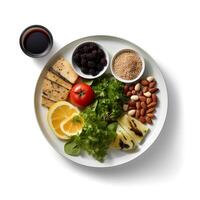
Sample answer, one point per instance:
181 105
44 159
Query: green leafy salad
100 119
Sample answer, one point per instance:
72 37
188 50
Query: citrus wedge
59 112
72 126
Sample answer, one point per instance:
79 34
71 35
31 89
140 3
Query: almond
151 115
142 119
140 93
142 112
138 105
151 105
148 120
131 88
150 110
152 84
131 103
152 90
150 78
145 89
143 105
154 97
134 97
126 88
137 87
144 82
131 112
147 94
137 114
125 107
133 92
128 94
149 100
142 98
131 107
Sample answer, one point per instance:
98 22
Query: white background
167 30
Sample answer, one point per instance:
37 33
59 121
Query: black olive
99 67
103 61
100 52
93 46
81 50
86 49
76 51
76 58
92 72
83 62
98 58
91 64
84 55
94 52
90 56
85 70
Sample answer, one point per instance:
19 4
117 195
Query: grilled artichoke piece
139 125
123 140
134 128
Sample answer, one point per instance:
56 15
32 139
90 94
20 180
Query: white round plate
115 157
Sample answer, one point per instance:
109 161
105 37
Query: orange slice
59 112
72 126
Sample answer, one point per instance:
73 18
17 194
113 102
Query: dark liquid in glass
36 41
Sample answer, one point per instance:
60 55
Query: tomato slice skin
81 95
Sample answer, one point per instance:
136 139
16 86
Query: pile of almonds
143 100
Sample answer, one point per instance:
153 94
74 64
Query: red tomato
81 95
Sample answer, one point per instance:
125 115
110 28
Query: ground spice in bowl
127 65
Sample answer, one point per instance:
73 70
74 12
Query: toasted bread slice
53 77
53 91
47 102
64 69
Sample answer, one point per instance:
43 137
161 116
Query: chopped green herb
100 118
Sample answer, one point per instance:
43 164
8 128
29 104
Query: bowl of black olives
90 60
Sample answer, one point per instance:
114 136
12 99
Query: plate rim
45 68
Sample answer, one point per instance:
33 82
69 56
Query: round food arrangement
101 101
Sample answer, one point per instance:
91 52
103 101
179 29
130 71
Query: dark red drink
36 41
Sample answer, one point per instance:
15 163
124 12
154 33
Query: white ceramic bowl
88 76
124 80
